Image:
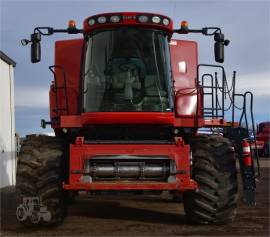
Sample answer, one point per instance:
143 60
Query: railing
223 102
57 87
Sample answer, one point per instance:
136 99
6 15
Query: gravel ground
142 216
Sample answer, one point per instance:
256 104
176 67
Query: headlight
166 21
101 19
156 19
143 19
91 22
115 19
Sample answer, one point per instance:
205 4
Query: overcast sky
245 23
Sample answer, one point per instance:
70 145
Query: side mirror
35 47
220 42
219 47
219 52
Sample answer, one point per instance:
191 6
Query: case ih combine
126 104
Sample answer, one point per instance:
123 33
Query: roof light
91 22
101 19
166 21
156 19
143 19
71 24
184 24
115 19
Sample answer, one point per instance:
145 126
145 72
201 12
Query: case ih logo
129 18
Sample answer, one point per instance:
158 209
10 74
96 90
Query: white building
7 122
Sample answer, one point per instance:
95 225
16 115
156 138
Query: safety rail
216 91
57 87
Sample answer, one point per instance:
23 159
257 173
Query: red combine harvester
126 105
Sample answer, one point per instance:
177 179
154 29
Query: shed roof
7 59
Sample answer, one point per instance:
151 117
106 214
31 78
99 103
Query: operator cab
122 64
127 69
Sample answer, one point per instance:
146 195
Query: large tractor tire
40 174
214 169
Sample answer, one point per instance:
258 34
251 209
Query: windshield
127 70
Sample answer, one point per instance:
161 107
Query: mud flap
249 185
248 173
238 136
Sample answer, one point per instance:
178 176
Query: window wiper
85 84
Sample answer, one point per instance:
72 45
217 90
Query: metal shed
7 122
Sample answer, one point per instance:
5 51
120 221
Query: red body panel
117 118
67 56
127 118
77 121
184 53
80 152
263 134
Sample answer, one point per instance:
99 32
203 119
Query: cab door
184 61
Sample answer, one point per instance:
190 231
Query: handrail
51 68
221 92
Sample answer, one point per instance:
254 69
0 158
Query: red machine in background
126 103
263 138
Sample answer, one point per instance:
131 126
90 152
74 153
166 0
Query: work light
166 21
91 22
115 19
101 19
156 19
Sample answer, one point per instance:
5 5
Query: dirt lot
141 215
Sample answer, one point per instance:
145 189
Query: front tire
40 174
214 169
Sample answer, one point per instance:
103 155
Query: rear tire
214 170
40 174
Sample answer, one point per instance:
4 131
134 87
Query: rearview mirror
35 48
219 52
219 47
